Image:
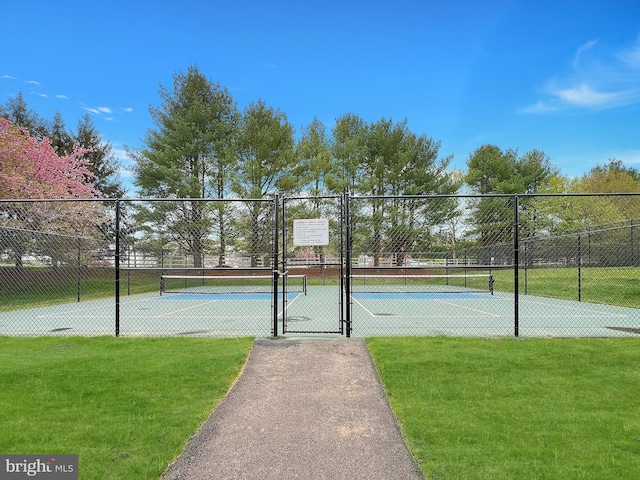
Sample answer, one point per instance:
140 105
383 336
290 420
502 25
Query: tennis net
227 284
427 283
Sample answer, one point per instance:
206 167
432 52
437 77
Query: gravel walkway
305 409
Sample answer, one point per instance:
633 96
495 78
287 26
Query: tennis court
318 310
398 272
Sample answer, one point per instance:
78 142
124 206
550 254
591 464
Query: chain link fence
526 265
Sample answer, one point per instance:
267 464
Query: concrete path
303 409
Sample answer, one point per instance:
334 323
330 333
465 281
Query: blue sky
558 76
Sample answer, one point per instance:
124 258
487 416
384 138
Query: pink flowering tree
30 169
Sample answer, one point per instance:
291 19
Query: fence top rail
351 196
577 233
222 200
53 200
319 197
491 195
43 232
197 269
463 266
132 199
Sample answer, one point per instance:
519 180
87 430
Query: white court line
468 308
363 307
490 314
218 300
110 305
214 301
217 317
173 312
579 309
289 303
75 312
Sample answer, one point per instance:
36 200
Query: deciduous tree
31 169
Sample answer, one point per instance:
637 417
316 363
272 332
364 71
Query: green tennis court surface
373 314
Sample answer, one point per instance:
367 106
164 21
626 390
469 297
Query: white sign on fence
311 232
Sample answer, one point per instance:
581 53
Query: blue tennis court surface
223 297
372 314
419 296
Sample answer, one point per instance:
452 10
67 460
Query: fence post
274 265
348 264
580 266
516 267
633 249
78 268
117 267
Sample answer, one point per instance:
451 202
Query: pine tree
60 139
102 162
17 111
187 156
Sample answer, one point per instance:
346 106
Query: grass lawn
29 288
469 408
611 286
516 409
125 406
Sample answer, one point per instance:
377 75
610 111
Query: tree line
202 146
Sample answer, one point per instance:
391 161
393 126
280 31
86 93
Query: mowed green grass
610 286
35 287
469 408
516 409
125 406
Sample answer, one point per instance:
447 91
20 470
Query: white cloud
628 157
122 156
595 81
62 97
585 96
631 57
126 168
540 107
100 111
128 110
581 49
34 82
92 110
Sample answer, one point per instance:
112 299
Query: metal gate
312 266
